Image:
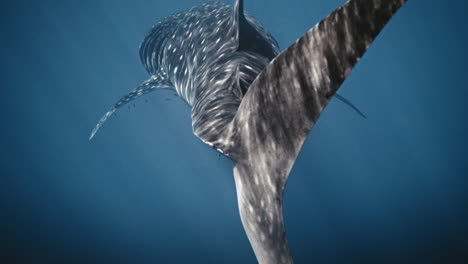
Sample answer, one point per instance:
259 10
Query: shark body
251 102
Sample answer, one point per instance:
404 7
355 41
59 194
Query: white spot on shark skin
253 227
256 180
219 82
175 70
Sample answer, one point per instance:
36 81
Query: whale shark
252 102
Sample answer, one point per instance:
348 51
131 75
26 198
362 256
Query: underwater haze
392 188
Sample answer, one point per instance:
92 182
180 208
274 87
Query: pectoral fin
154 83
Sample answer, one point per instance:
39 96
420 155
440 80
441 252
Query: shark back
205 54
210 54
188 46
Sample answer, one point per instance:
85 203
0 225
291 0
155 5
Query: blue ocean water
391 188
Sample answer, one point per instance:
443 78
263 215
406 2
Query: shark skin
251 102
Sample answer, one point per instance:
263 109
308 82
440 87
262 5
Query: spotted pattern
252 104
154 83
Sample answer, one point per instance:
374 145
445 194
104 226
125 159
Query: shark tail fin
280 108
154 83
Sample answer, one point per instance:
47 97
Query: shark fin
154 83
249 37
280 108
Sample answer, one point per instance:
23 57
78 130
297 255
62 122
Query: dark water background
389 189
